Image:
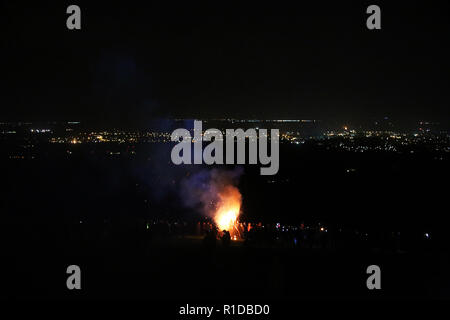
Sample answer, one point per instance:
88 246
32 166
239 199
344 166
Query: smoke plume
207 189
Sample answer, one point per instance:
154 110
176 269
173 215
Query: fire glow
228 209
216 195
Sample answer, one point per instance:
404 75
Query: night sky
133 62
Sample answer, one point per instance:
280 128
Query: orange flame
228 208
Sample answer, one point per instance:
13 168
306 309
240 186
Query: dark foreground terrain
184 269
90 209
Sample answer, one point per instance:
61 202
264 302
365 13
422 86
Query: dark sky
132 62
